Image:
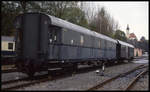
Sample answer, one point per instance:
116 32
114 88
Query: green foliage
144 44
69 11
9 11
120 35
75 15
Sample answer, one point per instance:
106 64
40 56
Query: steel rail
115 77
22 79
80 70
10 70
135 80
26 84
41 79
32 82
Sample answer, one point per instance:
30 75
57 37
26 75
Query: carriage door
128 52
54 40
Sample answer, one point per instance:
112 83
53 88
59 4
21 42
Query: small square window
10 45
71 41
55 38
99 44
82 40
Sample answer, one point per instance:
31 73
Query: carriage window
10 45
82 40
64 29
55 38
50 40
54 34
99 44
71 41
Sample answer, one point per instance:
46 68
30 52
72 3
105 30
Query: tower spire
127 31
127 27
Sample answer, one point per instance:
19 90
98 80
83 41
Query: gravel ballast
82 81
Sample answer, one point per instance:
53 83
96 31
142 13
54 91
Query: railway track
100 85
9 70
18 83
15 84
131 84
24 82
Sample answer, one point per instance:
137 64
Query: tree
56 8
75 15
9 11
144 44
103 23
120 35
24 5
100 21
142 39
88 9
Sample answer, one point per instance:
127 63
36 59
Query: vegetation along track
100 85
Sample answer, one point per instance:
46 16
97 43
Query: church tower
127 31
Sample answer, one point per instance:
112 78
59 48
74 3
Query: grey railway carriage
42 39
125 50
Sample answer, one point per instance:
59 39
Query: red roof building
132 36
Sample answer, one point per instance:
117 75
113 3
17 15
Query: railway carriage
42 39
126 51
7 46
77 43
7 50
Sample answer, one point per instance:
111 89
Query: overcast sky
133 13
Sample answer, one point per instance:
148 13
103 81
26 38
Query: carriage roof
126 44
71 26
65 24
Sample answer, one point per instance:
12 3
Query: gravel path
82 81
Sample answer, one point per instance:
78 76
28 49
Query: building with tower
133 40
129 35
132 36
